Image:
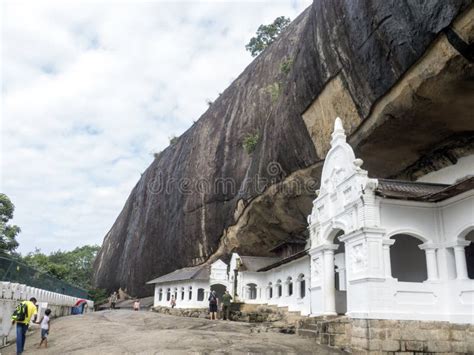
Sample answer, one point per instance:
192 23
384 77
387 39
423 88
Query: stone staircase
331 331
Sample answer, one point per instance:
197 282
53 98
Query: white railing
13 293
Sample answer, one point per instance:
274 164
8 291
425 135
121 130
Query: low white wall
12 293
185 302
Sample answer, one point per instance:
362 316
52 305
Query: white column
342 279
461 267
387 243
329 290
431 264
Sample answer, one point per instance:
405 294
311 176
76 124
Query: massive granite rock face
205 196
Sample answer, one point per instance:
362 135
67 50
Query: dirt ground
145 332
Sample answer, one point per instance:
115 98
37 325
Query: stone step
326 319
308 333
314 327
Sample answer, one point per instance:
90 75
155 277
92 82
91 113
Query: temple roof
254 263
284 261
201 272
422 191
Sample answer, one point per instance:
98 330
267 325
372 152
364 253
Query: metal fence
15 271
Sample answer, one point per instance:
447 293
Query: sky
91 89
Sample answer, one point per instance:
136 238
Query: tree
250 142
73 266
8 233
266 34
173 140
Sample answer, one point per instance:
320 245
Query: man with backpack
22 316
213 300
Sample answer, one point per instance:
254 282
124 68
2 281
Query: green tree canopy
266 34
73 266
8 232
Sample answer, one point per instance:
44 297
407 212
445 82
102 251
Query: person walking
173 301
24 313
213 300
226 298
45 328
113 300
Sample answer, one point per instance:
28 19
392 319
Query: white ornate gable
343 183
219 272
339 163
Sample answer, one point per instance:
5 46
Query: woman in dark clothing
213 305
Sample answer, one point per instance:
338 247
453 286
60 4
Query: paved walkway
144 332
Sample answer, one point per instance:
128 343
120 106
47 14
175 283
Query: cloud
90 90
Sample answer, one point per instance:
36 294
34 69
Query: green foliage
266 34
250 142
173 140
156 154
73 266
285 66
274 90
8 233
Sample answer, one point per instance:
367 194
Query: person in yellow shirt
22 325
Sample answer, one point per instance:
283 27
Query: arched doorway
469 251
220 290
340 285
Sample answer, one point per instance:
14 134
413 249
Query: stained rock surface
402 88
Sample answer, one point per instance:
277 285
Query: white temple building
377 248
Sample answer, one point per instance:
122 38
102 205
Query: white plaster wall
12 293
435 222
440 225
186 303
389 299
457 215
262 279
450 174
413 218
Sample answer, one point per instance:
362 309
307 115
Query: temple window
408 261
252 291
200 294
278 288
289 284
302 286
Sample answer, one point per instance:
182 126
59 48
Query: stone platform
372 336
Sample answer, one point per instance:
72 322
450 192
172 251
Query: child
136 305
45 326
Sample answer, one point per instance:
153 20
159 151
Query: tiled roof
285 260
421 191
253 263
201 272
293 239
407 189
